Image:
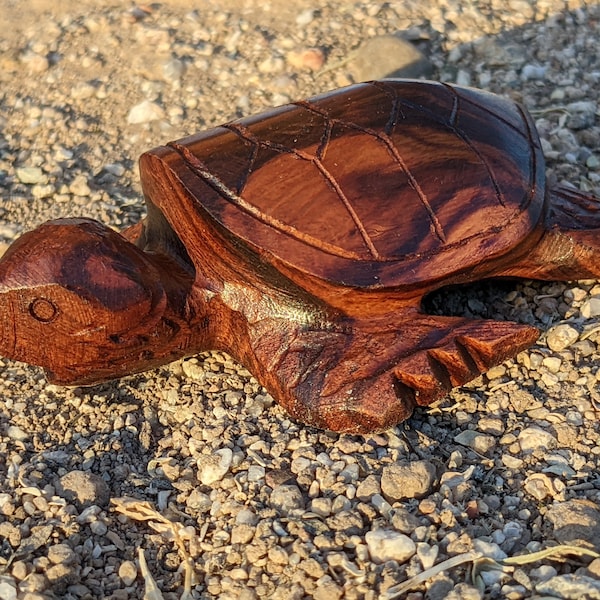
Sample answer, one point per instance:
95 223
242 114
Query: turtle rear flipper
368 377
570 245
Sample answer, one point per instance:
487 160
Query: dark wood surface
302 242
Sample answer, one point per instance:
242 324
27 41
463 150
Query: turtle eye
43 310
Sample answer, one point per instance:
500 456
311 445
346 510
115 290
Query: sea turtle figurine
302 242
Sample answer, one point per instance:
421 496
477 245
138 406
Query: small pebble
387 56
561 337
80 186
35 63
574 521
590 308
385 544
286 499
61 554
31 175
144 112
427 554
552 363
8 590
311 59
128 572
570 586
535 438
98 527
84 487
17 434
411 480
479 442
212 468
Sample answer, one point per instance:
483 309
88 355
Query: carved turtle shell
384 184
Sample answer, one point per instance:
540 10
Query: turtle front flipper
570 244
366 376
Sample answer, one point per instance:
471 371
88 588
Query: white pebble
533 72
7 590
479 442
552 363
193 370
31 175
116 169
590 308
144 112
427 554
305 17
213 468
534 438
385 544
561 337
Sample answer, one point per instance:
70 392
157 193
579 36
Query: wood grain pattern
302 242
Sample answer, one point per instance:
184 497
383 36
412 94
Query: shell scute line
201 170
383 137
315 159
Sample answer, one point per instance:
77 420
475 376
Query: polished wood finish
302 241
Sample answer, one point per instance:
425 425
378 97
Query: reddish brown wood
302 241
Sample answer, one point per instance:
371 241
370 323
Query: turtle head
79 300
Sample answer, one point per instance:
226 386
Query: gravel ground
193 463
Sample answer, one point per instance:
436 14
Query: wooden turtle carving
302 241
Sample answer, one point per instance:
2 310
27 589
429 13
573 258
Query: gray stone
475 440
410 480
533 72
83 488
387 56
570 587
287 498
575 521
